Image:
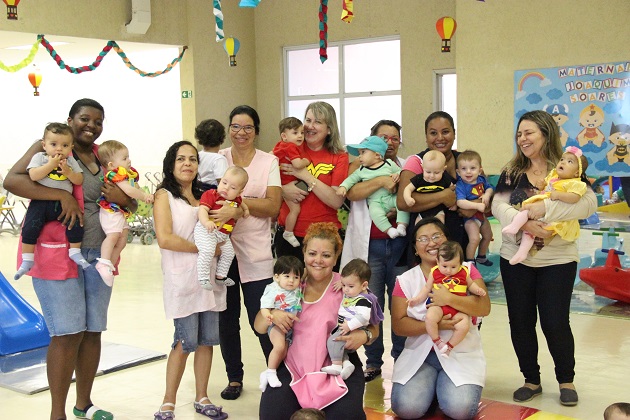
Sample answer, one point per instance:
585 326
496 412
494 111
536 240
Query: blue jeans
412 400
383 255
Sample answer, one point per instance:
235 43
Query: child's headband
577 152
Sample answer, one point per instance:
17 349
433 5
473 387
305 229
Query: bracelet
367 334
312 186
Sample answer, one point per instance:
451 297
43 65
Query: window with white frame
360 79
445 95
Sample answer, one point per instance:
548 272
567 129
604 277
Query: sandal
210 410
232 392
92 412
371 373
165 414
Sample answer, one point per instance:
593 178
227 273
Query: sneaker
483 261
92 412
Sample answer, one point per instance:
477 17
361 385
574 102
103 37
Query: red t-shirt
329 168
286 152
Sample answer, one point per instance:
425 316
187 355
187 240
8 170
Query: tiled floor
136 318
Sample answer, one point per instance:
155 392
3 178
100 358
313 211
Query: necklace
537 172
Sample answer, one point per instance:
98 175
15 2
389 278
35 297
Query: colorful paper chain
218 18
102 54
28 60
347 14
323 30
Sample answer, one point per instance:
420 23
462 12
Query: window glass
362 113
372 66
308 76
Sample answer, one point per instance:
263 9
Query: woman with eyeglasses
420 374
364 240
315 188
252 268
439 129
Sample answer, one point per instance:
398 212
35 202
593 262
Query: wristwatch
368 334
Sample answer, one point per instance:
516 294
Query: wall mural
591 105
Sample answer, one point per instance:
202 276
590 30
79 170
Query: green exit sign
186 94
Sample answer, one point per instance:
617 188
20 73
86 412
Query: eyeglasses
393 139
248 129
435 238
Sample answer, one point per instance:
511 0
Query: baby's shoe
106 269
226 281
290 238
206 284
402 229
393 233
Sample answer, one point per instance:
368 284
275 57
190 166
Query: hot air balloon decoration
35 77
231 46
11 9
446 27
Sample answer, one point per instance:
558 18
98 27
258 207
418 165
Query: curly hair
210 133
85 102
326 231
169 183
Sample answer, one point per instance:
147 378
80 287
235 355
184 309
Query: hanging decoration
248 3
446 27
323 30
218 19
97 62
347 14
12 9
35 77
231 47
28 60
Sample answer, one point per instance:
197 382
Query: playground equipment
611 280
22 328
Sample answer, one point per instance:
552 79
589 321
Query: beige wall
496 38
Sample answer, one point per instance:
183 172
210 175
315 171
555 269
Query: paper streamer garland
97 62
347 14
218 19
323 30
28 60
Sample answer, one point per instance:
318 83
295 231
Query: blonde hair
468 156
108 149
324 111
434 156
238 171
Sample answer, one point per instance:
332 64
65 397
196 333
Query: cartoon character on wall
560 114
591 118
620 138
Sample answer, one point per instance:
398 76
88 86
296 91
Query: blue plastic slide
21 326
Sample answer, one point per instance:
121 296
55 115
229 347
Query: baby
359 308
208 234
55 168
566 183
617 411
114 157
451 272
288 150
371 152
470 186
433 178
210 135
284 294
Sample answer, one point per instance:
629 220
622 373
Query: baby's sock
347 369
263 381
483 260
290 238
332 369
272 379
392 232
519 257
441 345
76 256
225 281
447 350
402 229
28 261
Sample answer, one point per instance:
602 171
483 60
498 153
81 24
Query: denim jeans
383 255
413 399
